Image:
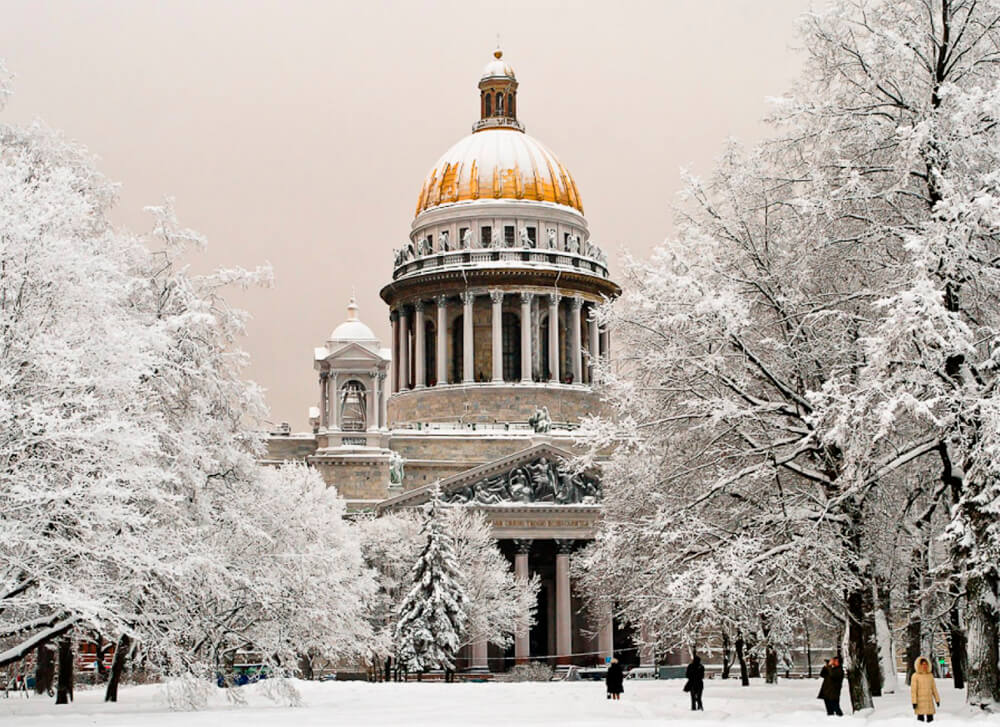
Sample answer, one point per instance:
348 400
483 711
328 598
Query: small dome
352 329
498 68
498 164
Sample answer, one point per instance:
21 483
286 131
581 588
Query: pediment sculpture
542 480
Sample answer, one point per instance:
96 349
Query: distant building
493 342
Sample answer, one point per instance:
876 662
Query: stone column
606 633
480 656
324 403
606 344
467 350
394 320
383 414
522 644
595 344
496 297
419 349
371 403
404 351
564 613
525 338
332 398
554 337
576 347
442 341
647 654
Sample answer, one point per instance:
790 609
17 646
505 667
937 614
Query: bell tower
498 96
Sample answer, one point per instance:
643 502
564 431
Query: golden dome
498 163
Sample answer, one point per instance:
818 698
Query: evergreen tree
432 617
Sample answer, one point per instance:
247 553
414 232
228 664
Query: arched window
510 109
511 347
353 407
489 104
430 353
499 104
457 348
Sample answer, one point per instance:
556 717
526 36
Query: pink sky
299 133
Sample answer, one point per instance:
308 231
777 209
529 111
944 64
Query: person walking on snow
833 680
614 680
695 682
923 691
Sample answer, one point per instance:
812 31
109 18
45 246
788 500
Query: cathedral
488 372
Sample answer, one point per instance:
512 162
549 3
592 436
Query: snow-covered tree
432 617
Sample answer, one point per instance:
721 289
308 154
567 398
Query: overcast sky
299 133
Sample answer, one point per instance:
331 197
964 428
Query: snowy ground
580 704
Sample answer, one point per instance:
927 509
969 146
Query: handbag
687 686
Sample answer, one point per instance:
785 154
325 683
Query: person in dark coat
695 682
833 680
614 680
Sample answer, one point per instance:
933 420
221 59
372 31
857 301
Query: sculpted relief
543 480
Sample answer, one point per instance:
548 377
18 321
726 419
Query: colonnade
375 391
563 612
411 368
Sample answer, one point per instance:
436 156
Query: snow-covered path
580 704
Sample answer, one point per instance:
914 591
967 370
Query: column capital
441 300
523 545
324 375
577 302
565 547
418 306
526 298
496 296
381 376
468 297
393 315
554 299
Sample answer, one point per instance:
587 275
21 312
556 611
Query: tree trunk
45 670
744 675
983 651
117 666
727 656
886 647
873 670
64 684
857 672
956 643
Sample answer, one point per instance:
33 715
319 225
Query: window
508 235
510 111
485 235
499 104
531 236
353 407
511 347
460 242
489 105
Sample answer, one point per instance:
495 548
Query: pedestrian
923 691
833 680
695 682
614 680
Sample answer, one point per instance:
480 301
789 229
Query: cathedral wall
492 403
294 447
359 480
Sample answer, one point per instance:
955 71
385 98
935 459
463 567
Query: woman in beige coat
923 691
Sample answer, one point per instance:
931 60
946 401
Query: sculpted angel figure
525 239
443 241
552 238
467 239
